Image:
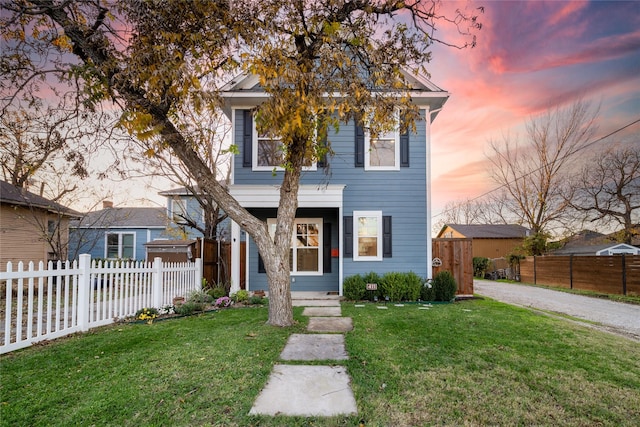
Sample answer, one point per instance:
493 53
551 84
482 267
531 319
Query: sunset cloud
531 56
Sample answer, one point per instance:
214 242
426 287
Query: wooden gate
456 256
216 262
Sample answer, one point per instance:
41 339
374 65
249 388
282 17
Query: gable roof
489 231
124 218
244 90
15 196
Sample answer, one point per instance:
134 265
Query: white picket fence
63 298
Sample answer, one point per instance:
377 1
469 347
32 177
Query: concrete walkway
311 390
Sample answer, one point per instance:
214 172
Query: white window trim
367 148
254 156
120 234
319 221
356 216
183 205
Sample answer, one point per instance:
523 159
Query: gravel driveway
616 317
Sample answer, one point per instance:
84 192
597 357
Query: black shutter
386 237
326 249
359 146
404 149
247 139
347 237
261 268
322 162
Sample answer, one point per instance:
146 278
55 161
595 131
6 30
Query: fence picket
77 296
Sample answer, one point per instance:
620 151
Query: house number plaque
372 286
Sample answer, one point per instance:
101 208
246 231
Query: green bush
480 266
354 288
427 293
188 308
444 286
200 297
258 300
414 286
217 292
240 296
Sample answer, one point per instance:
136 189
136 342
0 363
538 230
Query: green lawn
475 362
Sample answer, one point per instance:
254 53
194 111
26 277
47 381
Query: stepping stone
359 305
315 303
315 347
381 307
330 324
322 311
300 390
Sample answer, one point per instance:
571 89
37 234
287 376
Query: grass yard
476 362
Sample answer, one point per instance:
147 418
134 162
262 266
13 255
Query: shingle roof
491 231
125 217
12 195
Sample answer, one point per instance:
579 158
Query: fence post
84 283
156 292
198 274
535 282
570 271
624 275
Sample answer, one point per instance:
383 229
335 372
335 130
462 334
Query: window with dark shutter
404 149
347 237
387 245
359 146
326 242
247 138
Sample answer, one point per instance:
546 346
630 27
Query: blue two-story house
364 208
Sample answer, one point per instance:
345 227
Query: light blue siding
399 194
93 241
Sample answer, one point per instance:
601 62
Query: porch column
235 257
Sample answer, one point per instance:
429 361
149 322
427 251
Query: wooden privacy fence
47 302
611 274
456 256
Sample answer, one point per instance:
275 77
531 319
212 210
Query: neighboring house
589 242
181 203
365 208
118 233
30 225
488 240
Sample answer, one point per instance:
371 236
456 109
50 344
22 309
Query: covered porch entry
316 250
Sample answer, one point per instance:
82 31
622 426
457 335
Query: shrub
188 308
414 286
217 292
480 266
257 300
427 293
393 285
354 287
444 286
200 297
240 296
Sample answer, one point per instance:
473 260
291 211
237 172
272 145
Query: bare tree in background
608 189
208 133
534 172
471 211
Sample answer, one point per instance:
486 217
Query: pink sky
530 56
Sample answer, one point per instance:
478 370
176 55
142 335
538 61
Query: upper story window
178 210
120 245
382 152
267 151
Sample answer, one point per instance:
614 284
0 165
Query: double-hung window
120 246
305 253
268 154
367 242
382 151
178 210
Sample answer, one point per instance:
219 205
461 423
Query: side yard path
311 390
611 316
